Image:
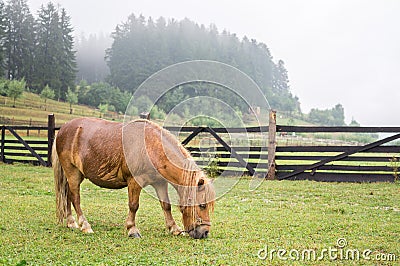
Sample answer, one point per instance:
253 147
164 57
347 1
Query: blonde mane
191 172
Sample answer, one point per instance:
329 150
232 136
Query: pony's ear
200 184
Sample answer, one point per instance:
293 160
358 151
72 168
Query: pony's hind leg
75 179
134 190
71 223
162 193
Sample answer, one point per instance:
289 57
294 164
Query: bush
15 89
157 113
3 87
103 93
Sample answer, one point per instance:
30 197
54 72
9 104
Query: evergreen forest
42 53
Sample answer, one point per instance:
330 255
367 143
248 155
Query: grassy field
247 225
31 107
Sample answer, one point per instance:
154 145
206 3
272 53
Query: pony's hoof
176 231
134 232
135 235
87 231
73 225
86 228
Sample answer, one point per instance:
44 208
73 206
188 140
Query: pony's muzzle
200 232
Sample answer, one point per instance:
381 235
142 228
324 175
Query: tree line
39 53
39 50
142 46
330 117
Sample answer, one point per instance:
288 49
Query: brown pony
134 155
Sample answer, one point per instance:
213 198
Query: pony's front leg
162 193
134 190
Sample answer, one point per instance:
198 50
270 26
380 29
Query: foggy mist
335 51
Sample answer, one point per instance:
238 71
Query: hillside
31 110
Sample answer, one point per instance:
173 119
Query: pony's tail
61 186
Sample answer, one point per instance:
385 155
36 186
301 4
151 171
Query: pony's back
154 147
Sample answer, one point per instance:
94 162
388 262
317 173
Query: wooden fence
14 148
376 161
215 150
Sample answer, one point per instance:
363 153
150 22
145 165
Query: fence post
145 115
271 145
51 125
3 141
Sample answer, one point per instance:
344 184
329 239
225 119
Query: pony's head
197 202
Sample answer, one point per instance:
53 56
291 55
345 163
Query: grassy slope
31 106
290 215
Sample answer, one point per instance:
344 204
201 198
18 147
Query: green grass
278 215
31 107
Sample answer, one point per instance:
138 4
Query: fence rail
265 157
372 162
15 148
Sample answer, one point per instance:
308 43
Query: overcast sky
336 51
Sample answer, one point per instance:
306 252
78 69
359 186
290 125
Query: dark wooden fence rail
14 148
377 161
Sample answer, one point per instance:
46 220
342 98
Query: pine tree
55 57
48 49
19 43
3 25
280 80
67 58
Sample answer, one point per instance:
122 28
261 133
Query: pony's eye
203 206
